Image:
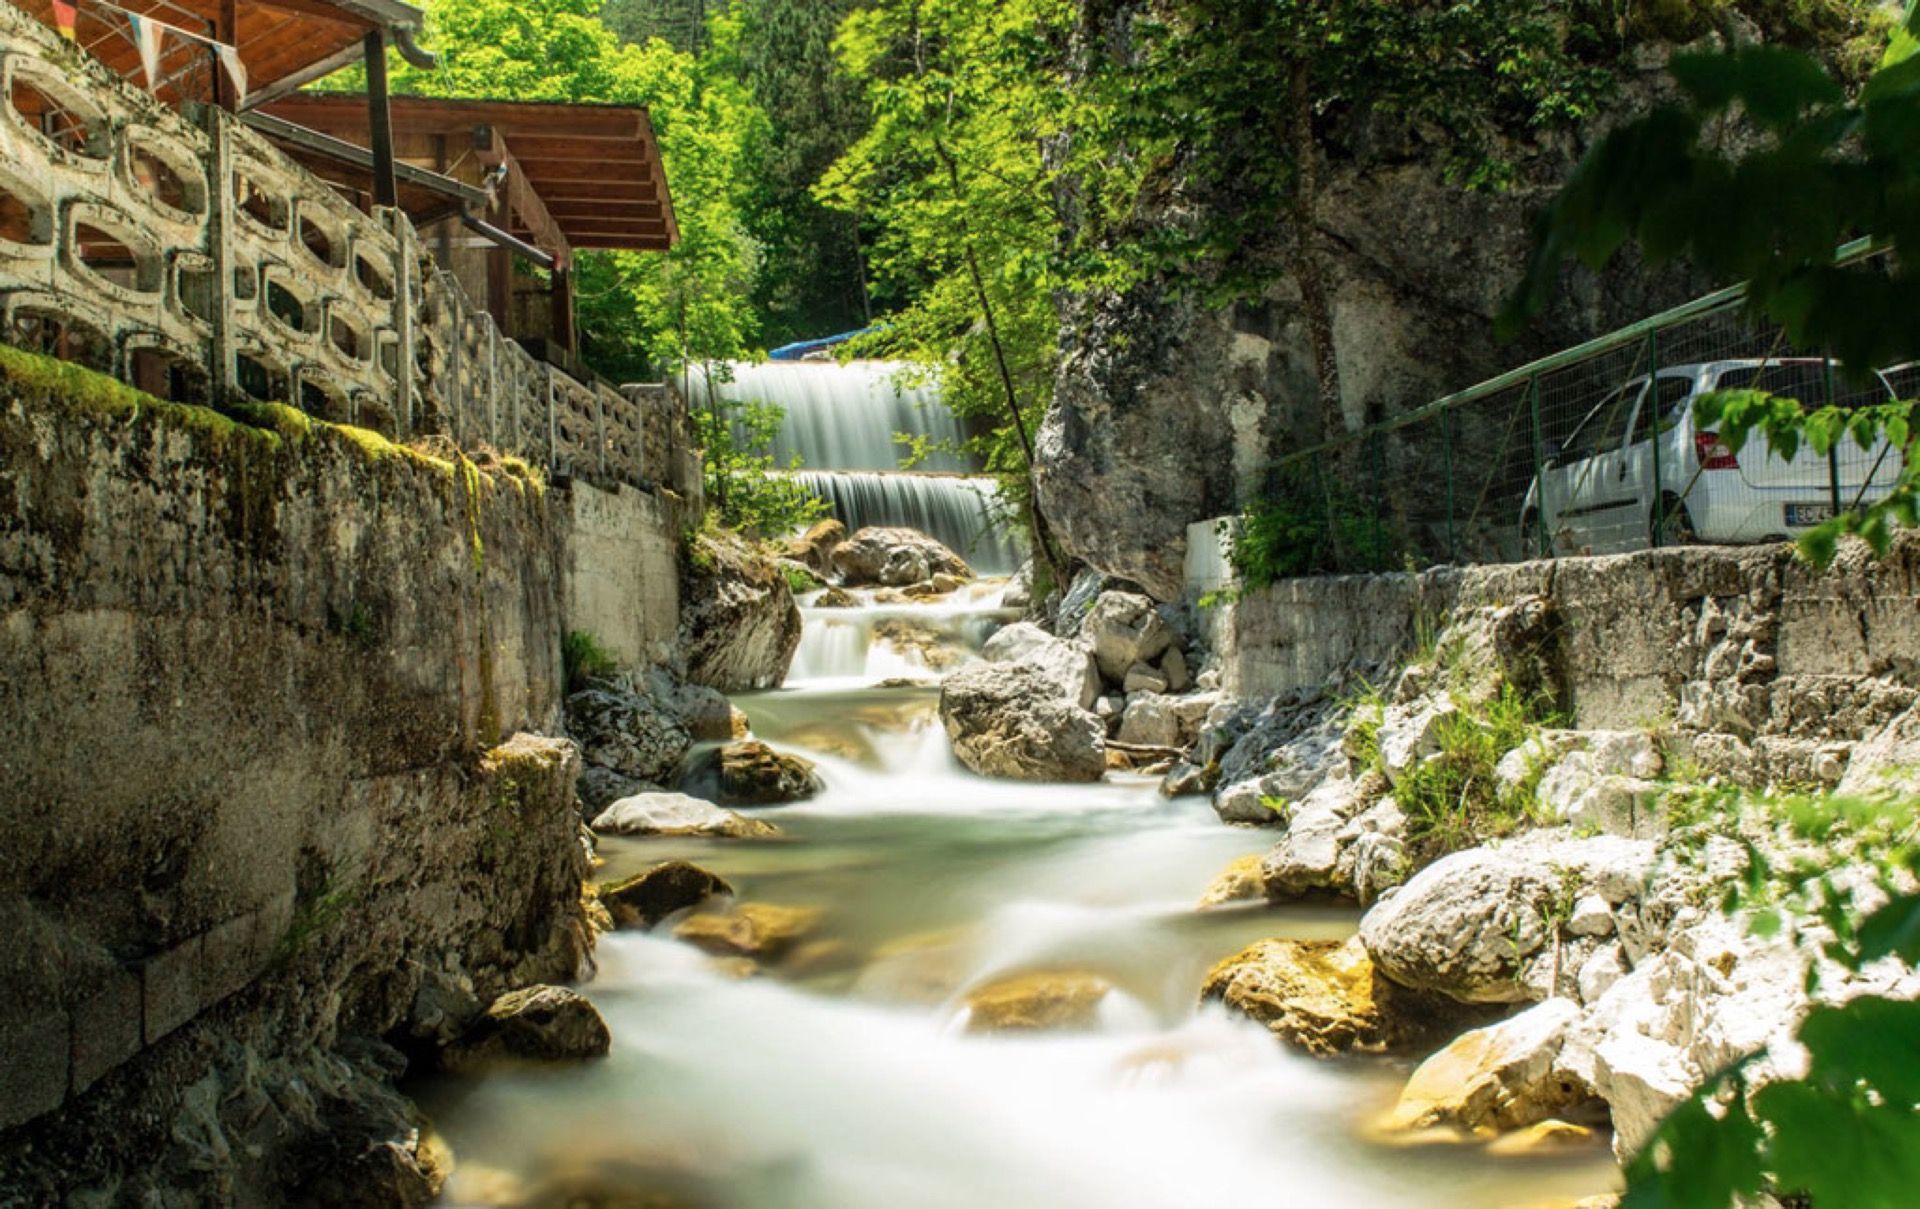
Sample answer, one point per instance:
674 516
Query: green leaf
1776 85
1893 930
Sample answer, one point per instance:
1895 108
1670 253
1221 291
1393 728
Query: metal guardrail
1594 449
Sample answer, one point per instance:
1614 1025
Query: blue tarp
799 349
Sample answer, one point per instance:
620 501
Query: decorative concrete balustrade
187 255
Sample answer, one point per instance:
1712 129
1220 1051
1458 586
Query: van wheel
1677 529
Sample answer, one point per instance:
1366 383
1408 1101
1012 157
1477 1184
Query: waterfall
954 509
841 419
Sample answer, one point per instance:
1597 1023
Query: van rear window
1805 381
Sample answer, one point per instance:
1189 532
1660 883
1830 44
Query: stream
844 1078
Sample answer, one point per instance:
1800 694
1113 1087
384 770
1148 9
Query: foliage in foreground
1847 1131
1827 167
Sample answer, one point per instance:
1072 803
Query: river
845 1079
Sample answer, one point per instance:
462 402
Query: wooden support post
562 307
500 287
386 189
226 29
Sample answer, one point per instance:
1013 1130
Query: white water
840 421
849 1082
961 512
841 417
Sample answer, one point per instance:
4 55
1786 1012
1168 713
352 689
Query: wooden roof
284 43
588 176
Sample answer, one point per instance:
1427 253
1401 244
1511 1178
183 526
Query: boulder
1501 1077
1142 679
634 735
1069 665
1410 733
895 558
600 788
1248 803
645 899
1077 601
1009 720
1173 665
705 712
739 624
1018 594
761 931
836 598
814 548
677 814
749 773
1475 925
1586 790
922 642
1308 859
1239 882
1153 720
1125 629
537 1024
1037 1002
1323 996
1289 745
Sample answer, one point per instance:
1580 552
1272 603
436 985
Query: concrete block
170 989
106 1025
230 956
33 1065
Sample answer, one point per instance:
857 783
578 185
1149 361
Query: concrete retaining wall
623 572
1748 642
253 684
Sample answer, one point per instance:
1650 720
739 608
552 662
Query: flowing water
841 420
844 1077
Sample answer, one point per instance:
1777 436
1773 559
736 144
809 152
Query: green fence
1593 450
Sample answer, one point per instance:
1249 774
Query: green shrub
1306 526
583 660
799 579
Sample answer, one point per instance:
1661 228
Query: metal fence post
1833 450
1657 537
1446 442
1539 467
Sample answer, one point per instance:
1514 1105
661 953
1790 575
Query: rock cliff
1168 407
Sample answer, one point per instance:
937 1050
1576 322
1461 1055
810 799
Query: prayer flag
236 70
146 38
65 14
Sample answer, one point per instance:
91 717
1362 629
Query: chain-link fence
1591 451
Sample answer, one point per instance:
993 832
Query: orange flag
65 13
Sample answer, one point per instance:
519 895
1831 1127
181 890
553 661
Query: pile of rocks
1110 688
890 558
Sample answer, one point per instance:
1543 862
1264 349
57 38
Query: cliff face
1167 409
256 811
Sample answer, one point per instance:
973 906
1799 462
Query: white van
1595 494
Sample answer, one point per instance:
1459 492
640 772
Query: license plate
1801 516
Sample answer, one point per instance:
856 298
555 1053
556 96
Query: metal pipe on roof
412 51
504 239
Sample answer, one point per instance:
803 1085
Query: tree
965 94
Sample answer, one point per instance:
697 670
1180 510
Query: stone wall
256 793
1748 643
623 573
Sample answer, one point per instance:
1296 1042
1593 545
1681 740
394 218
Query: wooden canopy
567 175
283 43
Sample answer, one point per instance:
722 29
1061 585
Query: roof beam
340 151
523 203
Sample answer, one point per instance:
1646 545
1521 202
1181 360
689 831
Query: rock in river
1320 995
895 558
1035 1002
647 898
634 735
538 1024
1009 720
762 931
677 814
750 773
